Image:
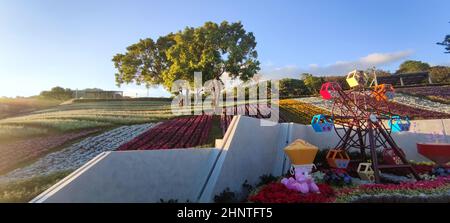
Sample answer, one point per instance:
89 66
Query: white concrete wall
137 176
246 156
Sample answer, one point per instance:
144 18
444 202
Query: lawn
18 106
81 116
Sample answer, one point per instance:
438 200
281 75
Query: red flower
181 132
278 193
432 184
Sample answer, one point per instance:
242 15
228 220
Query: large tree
411 66
144 61
213 49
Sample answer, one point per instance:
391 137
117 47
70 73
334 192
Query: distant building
405 79
97 94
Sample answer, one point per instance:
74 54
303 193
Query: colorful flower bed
290 110
434 93
415 112
337 186
76 155
404 110
183 132
378 192
412 110
421 102
14 153
250 110
299 112
276 192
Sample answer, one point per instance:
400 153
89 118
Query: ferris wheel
361 117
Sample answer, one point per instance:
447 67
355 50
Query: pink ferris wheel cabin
329 90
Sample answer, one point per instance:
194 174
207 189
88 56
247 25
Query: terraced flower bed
261 111
15 153
182 132
299 112
416 113
421 102
413 112
436 190
404 192
434 93
276 192
76 155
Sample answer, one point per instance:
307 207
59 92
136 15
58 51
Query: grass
26 190
84 115
12 132
17 106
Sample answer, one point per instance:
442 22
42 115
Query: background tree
411 66
312 82
144 62
440 74
213 49
58 93
290 88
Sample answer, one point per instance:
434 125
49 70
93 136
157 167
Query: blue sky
45 43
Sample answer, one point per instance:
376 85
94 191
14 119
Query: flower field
76 155
318 102
434 93
299 112
421 102
276 192
250 110
18 152
290 111
437 189
182 132
412 109
340 186
404 192
416 112
79 116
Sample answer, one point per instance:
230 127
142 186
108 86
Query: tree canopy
411 66
58 93
213 49
292 88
